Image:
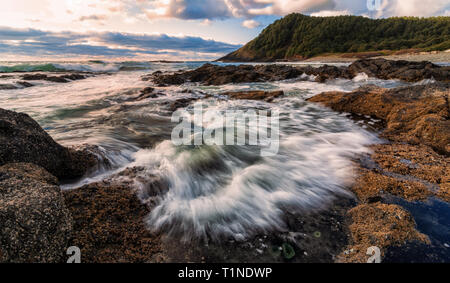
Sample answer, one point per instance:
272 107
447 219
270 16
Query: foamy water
215 192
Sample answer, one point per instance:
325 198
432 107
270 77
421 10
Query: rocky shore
106 219
413 165
20 81
210 74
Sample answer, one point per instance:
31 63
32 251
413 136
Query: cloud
32 42
93 18
417 8
251 24
328 13
189 9
221 9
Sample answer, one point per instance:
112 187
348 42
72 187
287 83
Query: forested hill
297 36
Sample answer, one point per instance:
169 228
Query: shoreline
107 218
433 56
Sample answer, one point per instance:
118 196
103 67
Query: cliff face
297 37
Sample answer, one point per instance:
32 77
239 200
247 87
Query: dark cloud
31 42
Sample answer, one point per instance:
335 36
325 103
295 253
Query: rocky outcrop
64 78
400 70
109 220
23 140
414 114
35 224
210 74
413 167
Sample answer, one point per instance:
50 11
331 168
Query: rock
415 114
179 103
35 222
74 77
402 70
210 74
64 78
109 223
34 77
379 225
147 92
7 86
23 140
267 96
56 79
25 84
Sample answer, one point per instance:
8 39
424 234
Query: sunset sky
164 29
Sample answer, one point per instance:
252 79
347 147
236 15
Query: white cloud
330 13
417 8
284 7
251 24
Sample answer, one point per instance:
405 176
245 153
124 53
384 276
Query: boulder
35 222
23 140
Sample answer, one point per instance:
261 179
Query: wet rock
56 79
179 103
34 77
147 92
379 225
210 74
267 96
74 77
402 70
23 140
25 84
64 78
7 86
109 224
35 222
414 114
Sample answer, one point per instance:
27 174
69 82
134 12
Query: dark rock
7 86
267 96
74 77
402 70
25 84
180 103
57 79
210 74
23 140
35 222
147 92
34 77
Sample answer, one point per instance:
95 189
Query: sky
165 29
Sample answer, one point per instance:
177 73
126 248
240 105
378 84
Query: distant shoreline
434 56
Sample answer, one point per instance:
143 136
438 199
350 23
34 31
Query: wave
232 192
